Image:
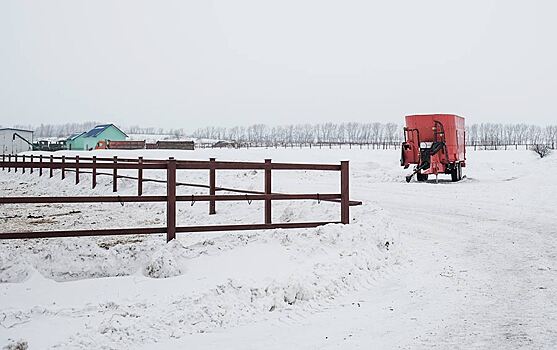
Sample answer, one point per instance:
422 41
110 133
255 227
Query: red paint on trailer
423 132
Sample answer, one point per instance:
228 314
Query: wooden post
268 190
344 193
3 160
212 185
51 163
76 170
115 176
9 160
63 169
94 172
15 166
41 165
170 199
31 168
140 176
23 167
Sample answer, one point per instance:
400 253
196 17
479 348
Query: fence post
140 176
344 193
9 160
31 169
170 199
76 170
115 176
63 169
51 164
41 165
94 173
212 185
3 160
15 166
23 167
268 190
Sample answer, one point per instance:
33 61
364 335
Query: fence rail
77 163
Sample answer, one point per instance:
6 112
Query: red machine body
435 143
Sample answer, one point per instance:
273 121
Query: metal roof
99 129
16 129
75 136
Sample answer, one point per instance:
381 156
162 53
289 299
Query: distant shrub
541 150
17 345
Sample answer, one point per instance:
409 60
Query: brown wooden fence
91 165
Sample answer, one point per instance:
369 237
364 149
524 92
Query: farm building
12 145
75 141
88 140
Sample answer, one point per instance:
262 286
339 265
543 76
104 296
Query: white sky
195 63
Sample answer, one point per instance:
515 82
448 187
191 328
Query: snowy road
477 269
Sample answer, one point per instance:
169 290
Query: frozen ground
467 265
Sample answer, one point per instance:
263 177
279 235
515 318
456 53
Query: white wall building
10 146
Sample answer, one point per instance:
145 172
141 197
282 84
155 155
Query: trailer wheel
421 177
459 171
454 173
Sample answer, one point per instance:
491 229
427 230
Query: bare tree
541 150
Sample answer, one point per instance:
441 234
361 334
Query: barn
104 132
75 141
21 142
88 140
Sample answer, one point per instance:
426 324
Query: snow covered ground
422 265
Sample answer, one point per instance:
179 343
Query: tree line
511 134
488 134
376 133
58 130
323 133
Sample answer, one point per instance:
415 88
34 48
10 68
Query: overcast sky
196 63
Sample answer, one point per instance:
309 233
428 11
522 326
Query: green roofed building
88 140
75 141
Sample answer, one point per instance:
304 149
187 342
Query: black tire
421 177
454 173
459 172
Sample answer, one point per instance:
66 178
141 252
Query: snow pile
227 280
315 267
66 259
164 262
13 269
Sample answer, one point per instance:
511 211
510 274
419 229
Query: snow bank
227 280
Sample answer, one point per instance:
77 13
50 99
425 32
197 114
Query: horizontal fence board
160 230
83 233
191 165
81 199
288 166
258 197
247 227
82 165
186 198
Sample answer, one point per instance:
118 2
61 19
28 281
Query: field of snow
468 265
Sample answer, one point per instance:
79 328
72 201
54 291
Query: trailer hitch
425 159
418 168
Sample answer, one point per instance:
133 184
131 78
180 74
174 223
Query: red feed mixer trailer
435 143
